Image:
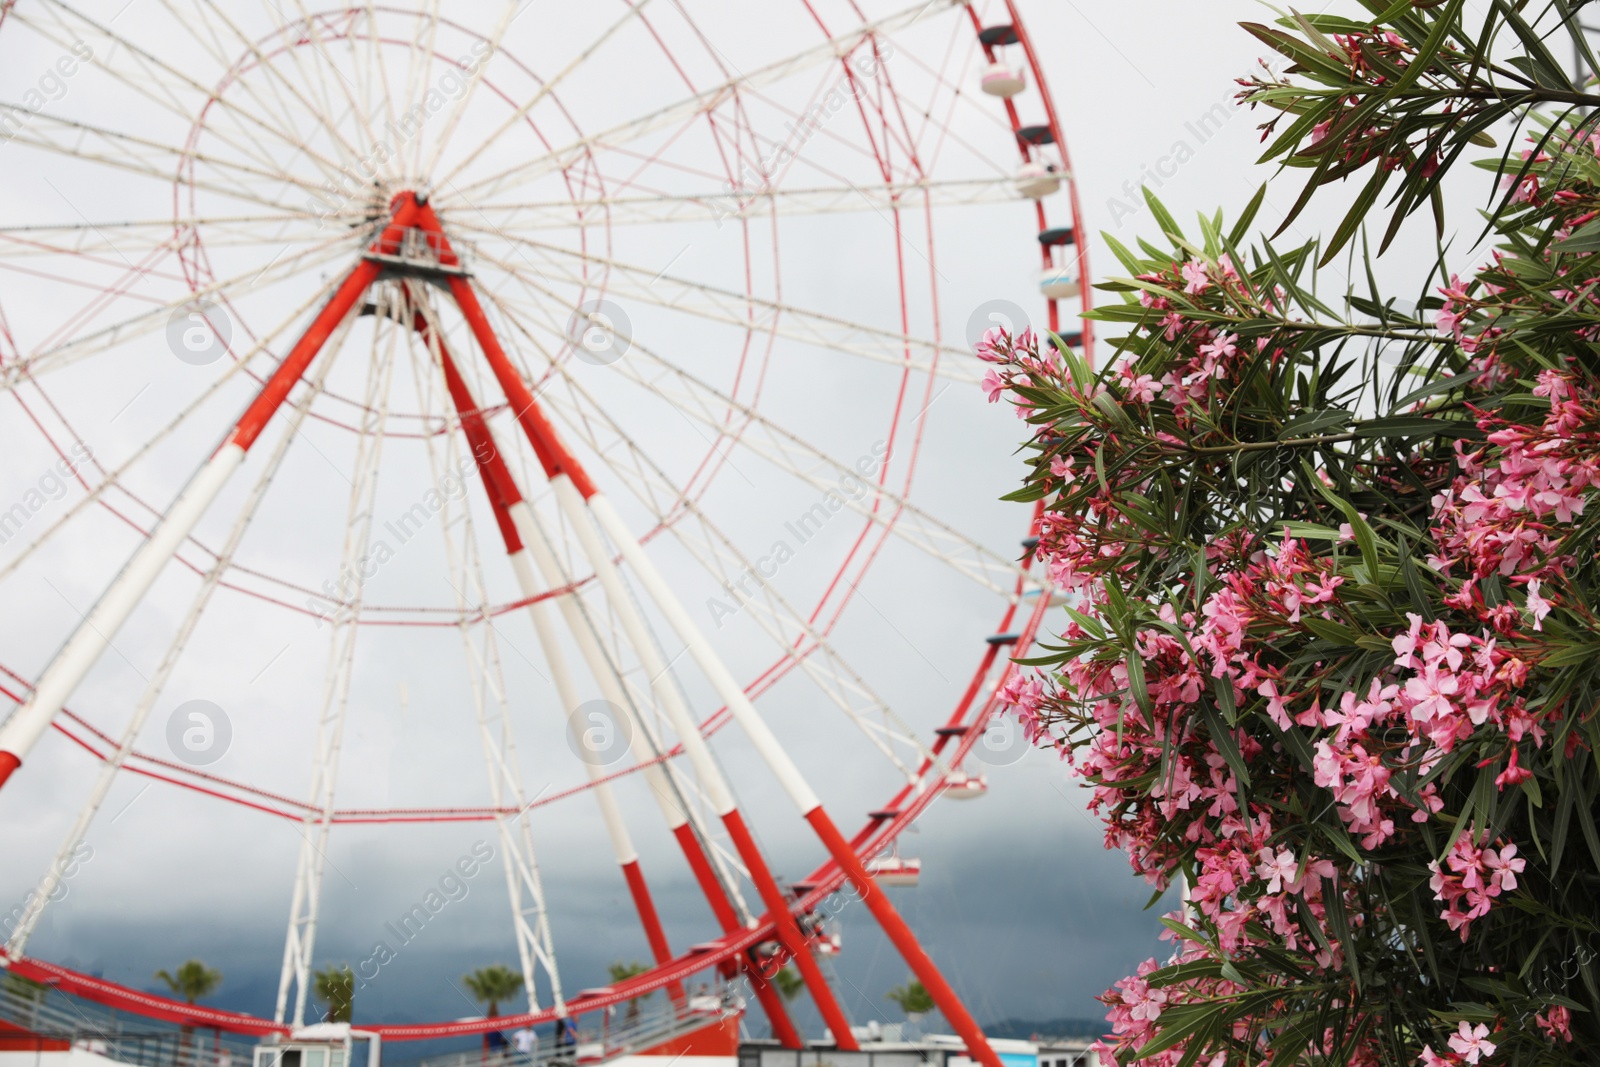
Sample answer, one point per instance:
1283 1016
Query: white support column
567 693
94 634
663 779
306 900
661 682
600 666
732 694
524 885
152 692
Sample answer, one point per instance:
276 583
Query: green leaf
1090 625
1413 579
1298 51
1355 216
1136 686
1401 426
1420 62
1241 228
1226 744
1585 238
1331 632
1313 423
1539 63
1365 538
1163 217
1309 531
1438 385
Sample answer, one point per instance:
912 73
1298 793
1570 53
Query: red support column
654 934
54 687
503 492
877 902
783 1027
789 934
556 460
294 365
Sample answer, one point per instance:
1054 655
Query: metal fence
613 1037
810 1057
55 1016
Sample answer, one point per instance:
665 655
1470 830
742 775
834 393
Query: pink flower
1556 1023
994 345
1513 774
1538 605
1222 346
1194 273
1470 1042
1143 389
1449 321
1406 644
993 386
1432 692
1553 384
1279 870
1505 867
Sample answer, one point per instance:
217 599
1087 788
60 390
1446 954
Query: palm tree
788 983
621 972
492 985
335 987
912 998
191 980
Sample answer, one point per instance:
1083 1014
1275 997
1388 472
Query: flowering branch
1336 674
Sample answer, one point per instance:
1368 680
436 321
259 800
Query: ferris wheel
573 362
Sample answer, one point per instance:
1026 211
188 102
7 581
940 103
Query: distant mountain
1026 1028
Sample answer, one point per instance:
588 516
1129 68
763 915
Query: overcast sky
1018 902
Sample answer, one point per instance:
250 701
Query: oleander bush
1332 658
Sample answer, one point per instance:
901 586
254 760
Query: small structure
1002 80
959 785
321 1045
1061 281
894 871
1037 179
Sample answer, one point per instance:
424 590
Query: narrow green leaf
1163 217
1420 62
1226 744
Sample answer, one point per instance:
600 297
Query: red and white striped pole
581 500
788 775
502 492
22 730
506 498
572 486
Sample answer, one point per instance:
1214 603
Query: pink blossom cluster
1136 1006
1209 357
1014 361
1476 875
1368 56
1468 1045
1503 512
1167 791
